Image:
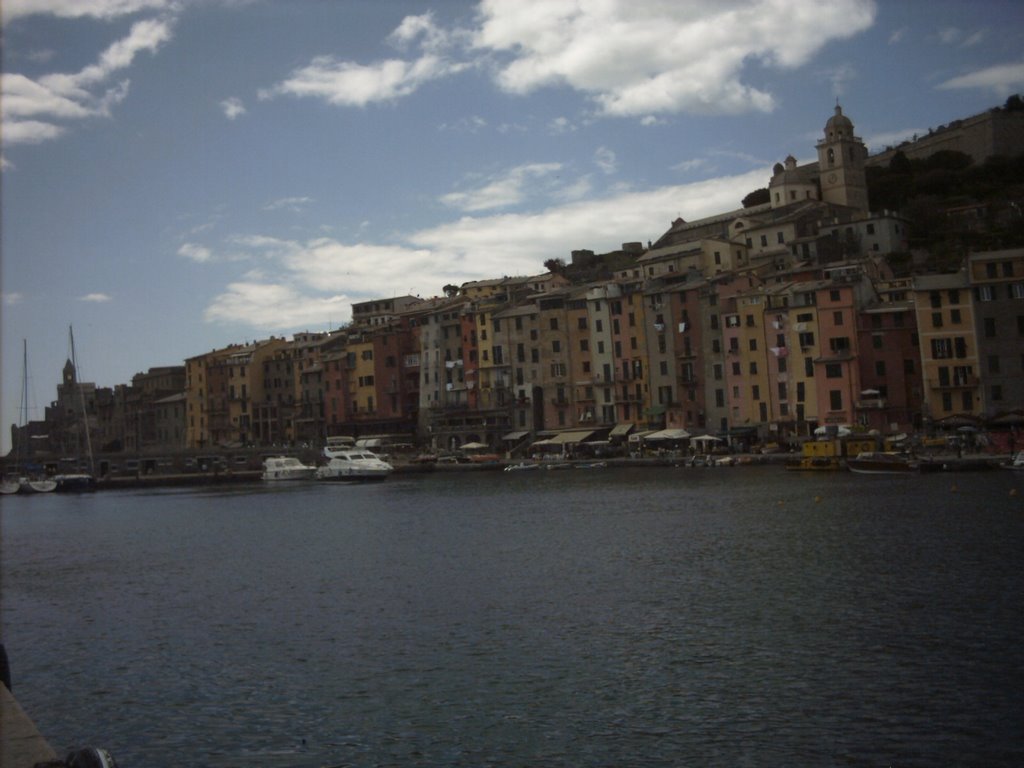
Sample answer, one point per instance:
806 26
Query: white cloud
345 83
643 57
196 253
10 299
270 307
306 283
897 35
1003 79
605 160
507 189
294 204
233 107
100 9
95 298
69 96
29 131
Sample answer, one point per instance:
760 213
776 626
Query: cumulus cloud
232 108
95 298
12 298
507 189
268 307
301 283
1003 79
73 9
641 57
632 57
74 96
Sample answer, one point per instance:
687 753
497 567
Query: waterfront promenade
21 744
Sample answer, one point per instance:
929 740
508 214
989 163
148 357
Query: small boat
592 465
1017 462
354 464
522 466
75 482
880 462
276 468
9 486
30 485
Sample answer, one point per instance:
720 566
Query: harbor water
618 617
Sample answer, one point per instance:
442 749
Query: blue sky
179 175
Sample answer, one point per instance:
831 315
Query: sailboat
24 483
77 482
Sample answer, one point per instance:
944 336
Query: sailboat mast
81 398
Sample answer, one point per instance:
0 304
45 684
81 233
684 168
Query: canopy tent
636 437
705 439
474 446
512 436
667 434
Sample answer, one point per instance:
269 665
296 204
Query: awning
515 435
636 437
668 434
620 430
705 439
567 438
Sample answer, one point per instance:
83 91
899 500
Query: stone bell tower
841 161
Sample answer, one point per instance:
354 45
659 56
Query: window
877 341
983 293
990 327
764 240
753 345
556 346
908 365
755 392
584 345
1017 291
935 299
554 323
936 319
966 401
995 392
993 363
942 349
960 346
736 369
801 391
835 400
880 367
833 295
837 318
839 344
833 371
753 368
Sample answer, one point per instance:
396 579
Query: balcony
955 382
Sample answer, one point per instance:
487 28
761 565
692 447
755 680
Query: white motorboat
353 464
276 468
1017 462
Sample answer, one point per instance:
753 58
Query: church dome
839 125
